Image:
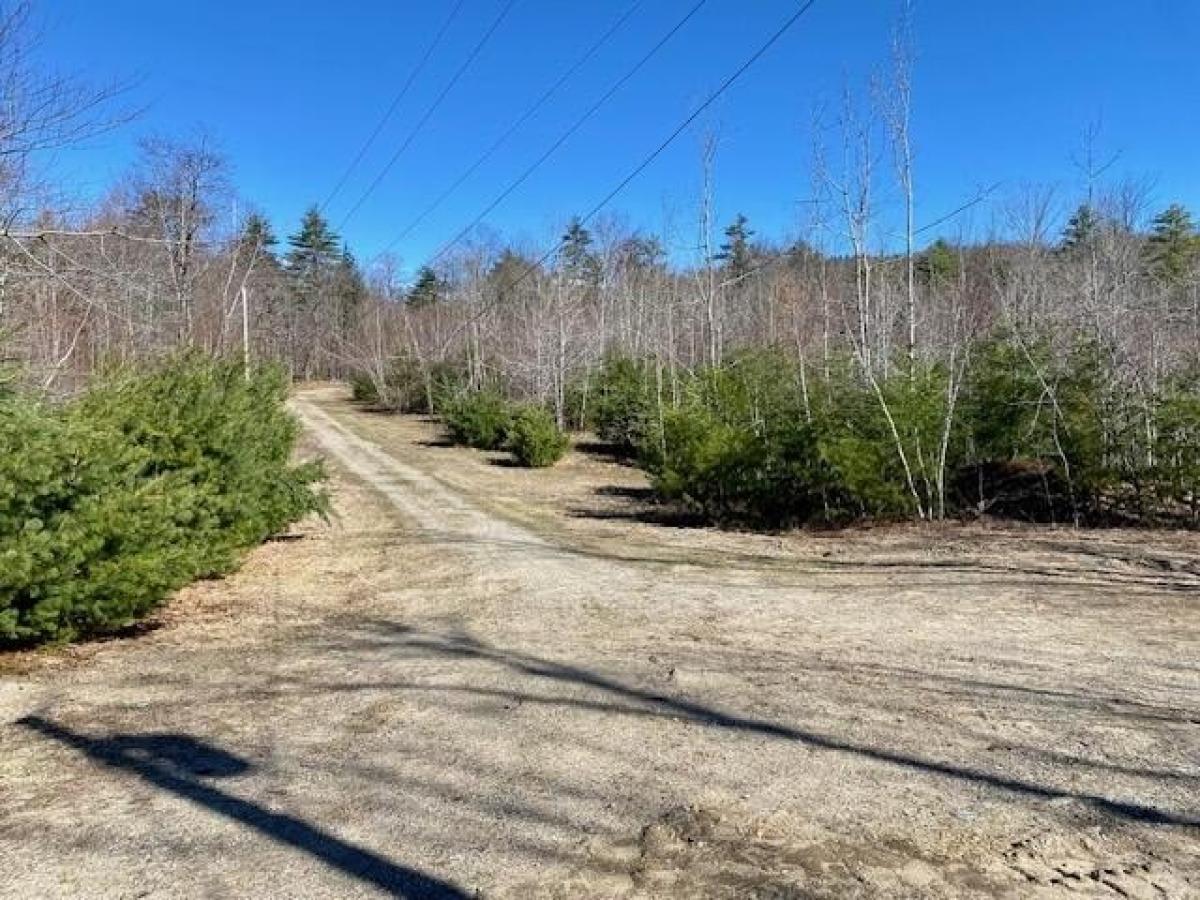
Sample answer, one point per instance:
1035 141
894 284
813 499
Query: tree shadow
643 702
1178 564
1174 582
1092 702
641 504
605 452
179 763
629 492
129 632
506 462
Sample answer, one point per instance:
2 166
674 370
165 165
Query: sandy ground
481 681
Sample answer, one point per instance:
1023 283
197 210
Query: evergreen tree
257 235
314 249
256 246
736 253
426 290
938 265
579 262
319 275
641 253
1173 247
1082 229
510 272
348 291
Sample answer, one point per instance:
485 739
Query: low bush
741 448
1176 447
363 388
479 419
885 472
535 438
1068 416
623 403
142 485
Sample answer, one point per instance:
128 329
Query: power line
974 201
516 125
412 77
941 220
566 135
430 111
637 170
670 139
981 196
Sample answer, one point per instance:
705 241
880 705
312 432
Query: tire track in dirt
492 546
429 505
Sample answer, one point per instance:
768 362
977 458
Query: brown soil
484 681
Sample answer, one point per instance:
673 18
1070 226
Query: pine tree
327 290
579 262
348 292
938 265
1082 229
510 272
1173 247
640 252
256 246
314 249
736 253
426 290
258 236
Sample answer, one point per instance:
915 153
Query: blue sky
1003 92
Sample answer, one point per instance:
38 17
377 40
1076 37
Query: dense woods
1047 372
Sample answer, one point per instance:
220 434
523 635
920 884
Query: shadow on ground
181 765
632 700
640 504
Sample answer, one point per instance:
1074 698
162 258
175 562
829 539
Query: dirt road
485 681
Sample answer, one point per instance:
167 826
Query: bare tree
177 190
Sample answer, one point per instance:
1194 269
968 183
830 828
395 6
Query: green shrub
363 388
1033 434
623 402
1176 455
869 458
144 484
1066 416
741 449
739 474
479 419
446 381
535 438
